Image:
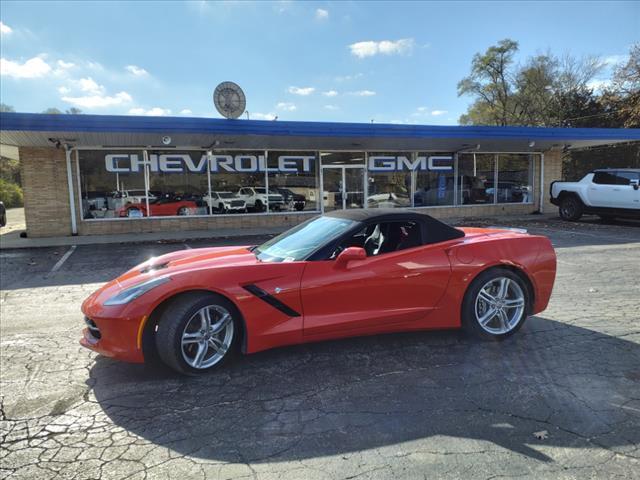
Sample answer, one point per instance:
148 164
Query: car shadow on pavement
435 391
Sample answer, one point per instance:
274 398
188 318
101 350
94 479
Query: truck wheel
259 206
570 208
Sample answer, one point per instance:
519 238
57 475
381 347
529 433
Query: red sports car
166 206
355 272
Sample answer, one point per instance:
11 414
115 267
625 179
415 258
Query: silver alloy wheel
500 305
183 211
133 212
207 337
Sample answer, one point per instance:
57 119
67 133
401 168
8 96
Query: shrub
10 194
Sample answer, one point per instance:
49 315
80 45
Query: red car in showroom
347 273
166 205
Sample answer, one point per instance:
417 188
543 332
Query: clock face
229 100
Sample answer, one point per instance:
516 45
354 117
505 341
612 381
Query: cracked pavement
419 405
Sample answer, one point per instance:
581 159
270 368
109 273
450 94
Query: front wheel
570 208
197 332
495 305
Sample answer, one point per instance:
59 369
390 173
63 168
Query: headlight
134 292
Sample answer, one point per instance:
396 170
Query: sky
383 62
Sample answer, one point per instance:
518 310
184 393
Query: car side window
384 237
624 178
605 178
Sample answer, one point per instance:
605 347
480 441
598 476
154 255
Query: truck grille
237 203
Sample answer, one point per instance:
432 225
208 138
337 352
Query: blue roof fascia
10 121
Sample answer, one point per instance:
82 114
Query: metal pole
72 201
145 157
541 208
209 154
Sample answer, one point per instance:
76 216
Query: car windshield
297 243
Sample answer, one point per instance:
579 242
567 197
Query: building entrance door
342 187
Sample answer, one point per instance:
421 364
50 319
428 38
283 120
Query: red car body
419 288
159 208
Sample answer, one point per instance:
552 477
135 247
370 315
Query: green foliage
548 90
10 194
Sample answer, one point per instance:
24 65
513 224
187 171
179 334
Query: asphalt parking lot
561 399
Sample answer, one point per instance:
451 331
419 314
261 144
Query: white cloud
99 101
422 109
33 68
152 112
185 111
64 90
89 85
322 14
346 78
330 93
385 47
287 106
363 93
65 65
599 84
613 60
304 91
262 116
437 113
331 107
5 29
136 71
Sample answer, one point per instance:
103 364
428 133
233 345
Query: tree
6 108
545 91
491 82
52 111
73 111
624 93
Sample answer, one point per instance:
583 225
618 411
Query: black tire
259 206
173 323
470 322
570 208
3 220
299 207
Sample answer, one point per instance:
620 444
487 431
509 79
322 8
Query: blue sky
343 61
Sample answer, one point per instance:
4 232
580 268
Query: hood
184 260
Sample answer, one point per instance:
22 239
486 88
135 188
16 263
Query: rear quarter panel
531 254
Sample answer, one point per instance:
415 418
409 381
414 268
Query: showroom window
515 178
294 177
476 175
389 179
238 177
108 180
434 179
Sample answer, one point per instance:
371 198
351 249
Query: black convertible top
432 230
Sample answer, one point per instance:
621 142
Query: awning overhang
41 130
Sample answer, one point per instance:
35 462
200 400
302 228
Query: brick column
46 195
552 171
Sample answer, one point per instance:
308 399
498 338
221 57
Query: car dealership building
94 174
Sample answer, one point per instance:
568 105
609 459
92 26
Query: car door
601 191
625 195
377 294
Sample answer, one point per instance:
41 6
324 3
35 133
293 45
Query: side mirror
348 255
635 184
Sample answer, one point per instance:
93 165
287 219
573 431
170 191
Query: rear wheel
259 206
134 213
570 208
183 211
197 333
495 305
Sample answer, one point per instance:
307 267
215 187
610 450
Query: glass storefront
166 183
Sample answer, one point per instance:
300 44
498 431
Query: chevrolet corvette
346 273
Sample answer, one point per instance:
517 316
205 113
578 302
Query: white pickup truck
608 193
257 198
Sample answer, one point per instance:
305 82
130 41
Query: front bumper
114 338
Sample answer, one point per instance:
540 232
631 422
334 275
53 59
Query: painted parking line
63 259
187 247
